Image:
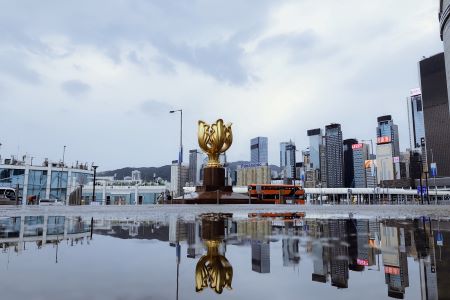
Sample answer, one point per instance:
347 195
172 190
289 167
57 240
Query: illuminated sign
383 140
391 270
362 262
357 146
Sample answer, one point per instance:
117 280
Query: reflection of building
49 180
338 254
291 252
15 232
393 245
258 150
261 256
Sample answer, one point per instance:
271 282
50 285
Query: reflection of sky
111 268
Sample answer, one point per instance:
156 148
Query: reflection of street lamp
180 154
93 188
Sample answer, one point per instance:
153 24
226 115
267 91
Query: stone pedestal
214 180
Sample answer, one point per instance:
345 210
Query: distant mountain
146 172
164 171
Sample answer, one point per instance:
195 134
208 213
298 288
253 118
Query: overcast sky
101 76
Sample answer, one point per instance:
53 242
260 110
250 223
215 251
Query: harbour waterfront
112 257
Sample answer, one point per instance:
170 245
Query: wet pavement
214 256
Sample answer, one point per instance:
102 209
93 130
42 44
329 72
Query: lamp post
93 187
180 154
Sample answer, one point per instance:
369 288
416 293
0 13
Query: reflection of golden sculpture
213 269
214 139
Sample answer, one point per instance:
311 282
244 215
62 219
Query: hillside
163 172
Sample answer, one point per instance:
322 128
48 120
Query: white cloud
273 69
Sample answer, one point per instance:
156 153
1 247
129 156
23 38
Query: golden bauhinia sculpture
213 270
214 139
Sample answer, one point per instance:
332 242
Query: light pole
180 154
93 187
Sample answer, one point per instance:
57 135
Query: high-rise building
349 172
315 145
388 149
436 110
258 150
323 163
287 158
415 119
196 158
178 174
444 18
253 174
387 132
334 156
136 175
360 156
315 140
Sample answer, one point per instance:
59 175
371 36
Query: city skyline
99 74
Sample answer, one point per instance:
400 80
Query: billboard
357 146
383 140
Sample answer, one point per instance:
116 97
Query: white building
45 181
178 178
136 175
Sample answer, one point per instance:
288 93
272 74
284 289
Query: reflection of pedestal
213 269
214 190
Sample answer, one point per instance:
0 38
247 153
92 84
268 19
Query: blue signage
421 190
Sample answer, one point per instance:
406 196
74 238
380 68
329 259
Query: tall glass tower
415 119
334 156
258 150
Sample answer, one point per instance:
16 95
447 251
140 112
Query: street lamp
93 187
180 154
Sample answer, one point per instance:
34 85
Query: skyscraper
436 111
387 132
415 119
315 140
258 150
287 158
315 144
360 156
444 18
388 149
195 165
334 155
349 172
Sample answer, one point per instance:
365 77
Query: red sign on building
357 146
383 140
